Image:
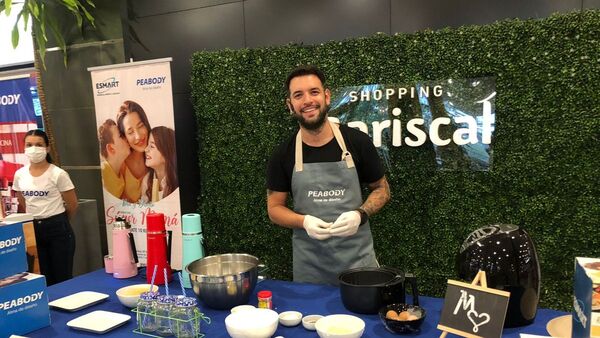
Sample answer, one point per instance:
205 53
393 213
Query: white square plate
99 321
78 300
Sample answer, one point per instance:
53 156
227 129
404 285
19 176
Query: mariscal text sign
454 117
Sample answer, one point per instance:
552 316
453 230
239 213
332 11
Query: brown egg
403 315
391 314
412 317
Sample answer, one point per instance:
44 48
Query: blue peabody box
586 301
13 257
23 304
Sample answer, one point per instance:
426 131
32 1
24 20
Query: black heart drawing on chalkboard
476 319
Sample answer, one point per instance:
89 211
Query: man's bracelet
364 217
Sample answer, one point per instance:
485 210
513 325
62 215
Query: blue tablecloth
306 298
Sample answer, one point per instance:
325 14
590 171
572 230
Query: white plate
99 321
78 300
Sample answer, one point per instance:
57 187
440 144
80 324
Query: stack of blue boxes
23 298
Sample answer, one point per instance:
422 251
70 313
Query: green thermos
192 243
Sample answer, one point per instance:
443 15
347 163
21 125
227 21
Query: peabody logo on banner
7 100
151 82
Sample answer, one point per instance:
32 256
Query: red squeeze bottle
156 236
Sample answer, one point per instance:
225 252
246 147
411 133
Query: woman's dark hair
40 133
131 107
164 138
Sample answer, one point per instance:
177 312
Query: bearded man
322 168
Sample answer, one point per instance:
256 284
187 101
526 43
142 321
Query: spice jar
146 308
185 321
265 299
164 304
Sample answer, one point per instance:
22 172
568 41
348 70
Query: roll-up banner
19 113
136 134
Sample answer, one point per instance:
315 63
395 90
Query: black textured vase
508 257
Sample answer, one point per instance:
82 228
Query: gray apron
326 190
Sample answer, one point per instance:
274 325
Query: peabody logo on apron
326 195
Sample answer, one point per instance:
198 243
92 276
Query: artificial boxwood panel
545 175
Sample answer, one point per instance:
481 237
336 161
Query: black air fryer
507 255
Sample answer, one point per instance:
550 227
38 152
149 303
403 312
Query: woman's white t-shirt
43 193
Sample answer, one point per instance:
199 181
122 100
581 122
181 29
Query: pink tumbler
124 260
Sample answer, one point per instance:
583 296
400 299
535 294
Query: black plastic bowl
366 290
402 326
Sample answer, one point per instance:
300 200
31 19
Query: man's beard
316 124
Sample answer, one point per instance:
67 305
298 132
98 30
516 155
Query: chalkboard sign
471 310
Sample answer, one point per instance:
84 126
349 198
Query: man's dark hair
303 71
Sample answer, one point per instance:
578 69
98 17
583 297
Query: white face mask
36 154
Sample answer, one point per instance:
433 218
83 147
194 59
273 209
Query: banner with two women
136 135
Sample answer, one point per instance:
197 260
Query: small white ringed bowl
290 318
309 321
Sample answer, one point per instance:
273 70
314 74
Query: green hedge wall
545 175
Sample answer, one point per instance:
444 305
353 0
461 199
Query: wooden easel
480 280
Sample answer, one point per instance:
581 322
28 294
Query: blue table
306 298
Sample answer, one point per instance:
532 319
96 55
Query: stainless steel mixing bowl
224 281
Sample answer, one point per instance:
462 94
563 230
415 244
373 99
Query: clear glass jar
185 319
164 304
146 309
265 299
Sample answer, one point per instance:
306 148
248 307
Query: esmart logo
107 85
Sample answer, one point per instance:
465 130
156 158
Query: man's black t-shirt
366 160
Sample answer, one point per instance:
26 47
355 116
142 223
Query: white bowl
242 308
290 318
309 321
129 295
254 323
340 326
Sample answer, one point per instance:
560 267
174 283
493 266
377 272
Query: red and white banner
17 117
136 134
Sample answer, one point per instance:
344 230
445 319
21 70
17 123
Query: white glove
346 224
316 228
